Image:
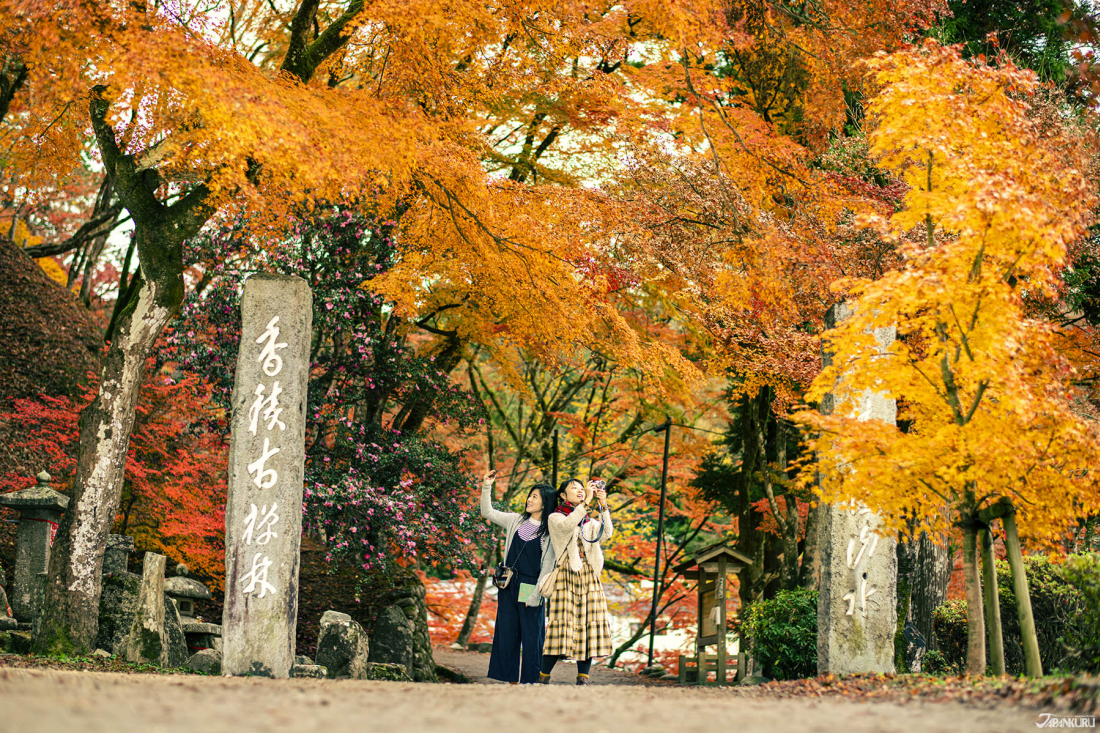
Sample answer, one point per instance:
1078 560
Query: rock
206 661
7 623
19 642
5 641
176 652
485 647
102 654
412 595
755 679
446 674
386 672
145 642
309 671
117 606
117 555
342 646
654 672
408 607
391 640
303 660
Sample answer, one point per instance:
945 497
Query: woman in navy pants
519 631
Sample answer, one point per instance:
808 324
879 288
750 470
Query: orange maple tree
987 394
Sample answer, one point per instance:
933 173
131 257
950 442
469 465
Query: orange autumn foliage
989 398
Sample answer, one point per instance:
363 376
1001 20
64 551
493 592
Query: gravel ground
475 665
53 701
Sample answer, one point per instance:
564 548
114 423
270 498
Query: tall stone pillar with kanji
857 599
263 515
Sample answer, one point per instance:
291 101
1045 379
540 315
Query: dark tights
549 660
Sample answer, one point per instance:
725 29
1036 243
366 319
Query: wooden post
992 604
1032 663
720 601
700 675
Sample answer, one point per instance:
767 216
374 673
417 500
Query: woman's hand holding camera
597 491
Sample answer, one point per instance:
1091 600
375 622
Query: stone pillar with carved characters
263 517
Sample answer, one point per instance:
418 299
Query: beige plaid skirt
578 626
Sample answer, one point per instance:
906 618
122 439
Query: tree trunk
70 612
933 573
786 520
475 603
992 605
809 572
1032 663
975 623
750 541
907 565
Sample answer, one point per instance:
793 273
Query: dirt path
475 665
47 701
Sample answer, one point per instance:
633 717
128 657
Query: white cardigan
511 522
565 531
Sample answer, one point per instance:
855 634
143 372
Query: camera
502 576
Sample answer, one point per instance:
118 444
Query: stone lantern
40 509
184 591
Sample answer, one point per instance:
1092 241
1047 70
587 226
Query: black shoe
582 678
544 679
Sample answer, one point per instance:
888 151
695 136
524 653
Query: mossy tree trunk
975 622
1032 663
70 612
992 604
71 605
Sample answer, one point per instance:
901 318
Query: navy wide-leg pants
518 626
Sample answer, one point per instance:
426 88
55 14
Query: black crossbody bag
502 574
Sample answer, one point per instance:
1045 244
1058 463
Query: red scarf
567 508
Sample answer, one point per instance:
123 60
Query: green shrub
782 633
1059 603
949 626
1083 572
934 663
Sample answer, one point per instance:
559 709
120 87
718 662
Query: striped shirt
528 530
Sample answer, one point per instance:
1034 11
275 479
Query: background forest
536 232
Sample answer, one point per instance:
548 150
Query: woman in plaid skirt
577 616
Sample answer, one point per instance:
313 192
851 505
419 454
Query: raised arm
605 515
592 529
495 516
567 521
